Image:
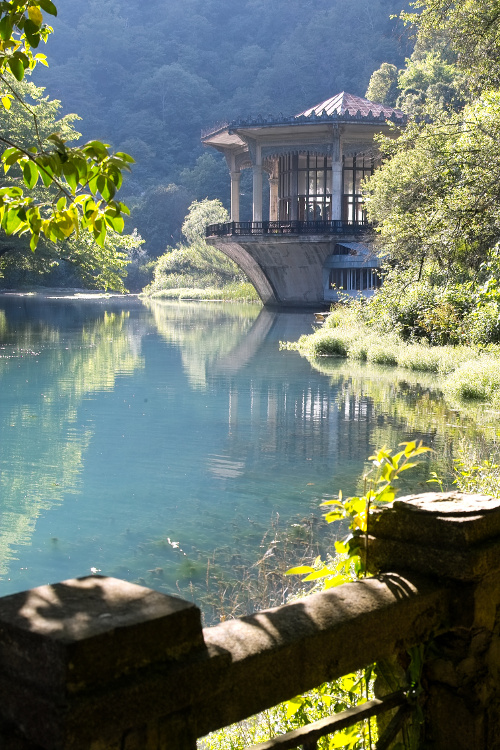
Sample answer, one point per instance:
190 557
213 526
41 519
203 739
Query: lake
174 444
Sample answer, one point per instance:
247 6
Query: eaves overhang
227 134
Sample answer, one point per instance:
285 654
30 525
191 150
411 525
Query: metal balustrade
245 228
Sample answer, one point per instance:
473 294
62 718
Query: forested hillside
147 77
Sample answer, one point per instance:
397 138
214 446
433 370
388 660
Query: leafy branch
83 179
350 562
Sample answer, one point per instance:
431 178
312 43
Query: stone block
62 645
450 535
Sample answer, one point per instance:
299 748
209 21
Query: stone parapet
101 664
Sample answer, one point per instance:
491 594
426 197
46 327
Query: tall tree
80 181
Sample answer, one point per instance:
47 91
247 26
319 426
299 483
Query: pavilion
313 242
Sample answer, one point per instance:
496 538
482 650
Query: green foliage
430 83
351 561
383 86
316 704
158 215
79 260
476 474
200 215
352 553
238 291
466 372
198 266
77 185
159 77
472 28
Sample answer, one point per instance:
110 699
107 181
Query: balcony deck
247 228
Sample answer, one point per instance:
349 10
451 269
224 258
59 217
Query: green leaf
337 580
317 574
334 515
16 67
6 28
30 174
45 170
32 32
124 208
115 222
11 221
341 548
48 6
35 15
299 570
34 242
387 495
293 705
11 156
71 174
125 157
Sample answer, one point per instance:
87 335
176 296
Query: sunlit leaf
299 570
30 174
35 15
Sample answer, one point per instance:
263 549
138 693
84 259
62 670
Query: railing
307 737
245 228
101 663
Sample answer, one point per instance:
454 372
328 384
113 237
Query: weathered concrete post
456 539
72 660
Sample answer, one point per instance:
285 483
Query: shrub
475 380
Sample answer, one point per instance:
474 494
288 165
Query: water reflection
173 444
45 376
206 333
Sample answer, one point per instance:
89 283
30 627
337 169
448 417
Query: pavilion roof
349 104
341 108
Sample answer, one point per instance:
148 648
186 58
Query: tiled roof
345 103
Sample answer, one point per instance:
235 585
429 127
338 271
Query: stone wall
101 664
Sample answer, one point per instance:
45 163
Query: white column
336 190
257 186
235 195
273 199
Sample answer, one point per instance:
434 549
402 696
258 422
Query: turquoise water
143 440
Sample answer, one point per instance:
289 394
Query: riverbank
65 293
466 373
237 292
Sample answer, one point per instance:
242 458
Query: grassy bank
465 372
236 292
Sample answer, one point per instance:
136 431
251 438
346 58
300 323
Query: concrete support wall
286 270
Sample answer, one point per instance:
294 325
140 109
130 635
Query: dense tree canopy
436 198
473 30
148 82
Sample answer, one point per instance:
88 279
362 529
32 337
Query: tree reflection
44 379
205 332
